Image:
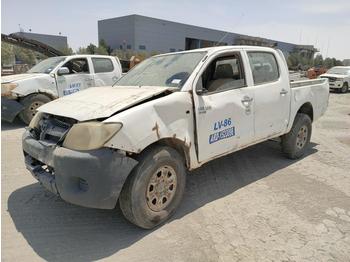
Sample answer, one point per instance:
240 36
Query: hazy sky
323 23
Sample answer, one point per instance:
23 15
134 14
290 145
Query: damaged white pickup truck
54 77
174 112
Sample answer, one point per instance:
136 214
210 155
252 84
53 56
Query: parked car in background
172 113
339 78
54 77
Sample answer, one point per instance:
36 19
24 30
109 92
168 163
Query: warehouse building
58 42
141 33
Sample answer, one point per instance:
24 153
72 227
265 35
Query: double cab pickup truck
135 141
339 78
54 77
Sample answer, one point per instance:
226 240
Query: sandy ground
251 205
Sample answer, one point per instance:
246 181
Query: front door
79 77
224 107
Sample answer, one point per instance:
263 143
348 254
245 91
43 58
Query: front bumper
336 84
10 108
86 178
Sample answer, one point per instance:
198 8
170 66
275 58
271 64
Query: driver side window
224 73
77 66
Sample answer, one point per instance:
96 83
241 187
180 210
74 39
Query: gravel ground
253 205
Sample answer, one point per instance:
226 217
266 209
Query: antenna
327 47
222 38
20 28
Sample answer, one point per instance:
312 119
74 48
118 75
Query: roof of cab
222 48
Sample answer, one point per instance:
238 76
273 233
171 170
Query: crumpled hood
99 102
18 77
333 75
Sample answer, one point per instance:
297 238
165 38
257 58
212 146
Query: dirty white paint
206 125
57 86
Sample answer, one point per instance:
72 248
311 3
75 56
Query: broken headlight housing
90 135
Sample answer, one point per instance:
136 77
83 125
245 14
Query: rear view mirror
63 71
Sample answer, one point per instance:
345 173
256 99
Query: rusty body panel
169 119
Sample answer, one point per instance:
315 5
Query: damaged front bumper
87 178
10 108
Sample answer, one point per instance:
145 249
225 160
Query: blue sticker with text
223 129
73 87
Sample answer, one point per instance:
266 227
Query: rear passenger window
264 67
102 65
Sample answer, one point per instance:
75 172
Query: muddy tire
155 187
344 88
31 104
296 142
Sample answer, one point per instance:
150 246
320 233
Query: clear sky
323 23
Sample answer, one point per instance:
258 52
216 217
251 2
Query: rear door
106 72
79 77
271 93
223 106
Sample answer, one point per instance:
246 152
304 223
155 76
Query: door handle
284 92
246 101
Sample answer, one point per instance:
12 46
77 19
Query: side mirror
201 91
63 71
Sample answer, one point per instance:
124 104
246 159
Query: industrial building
58 42
141 33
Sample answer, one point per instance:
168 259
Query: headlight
34 123
90 135
7 88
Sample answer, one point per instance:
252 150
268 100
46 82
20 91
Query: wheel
154 188
31 104
345 88
296 142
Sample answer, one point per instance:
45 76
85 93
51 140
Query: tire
136 197
31 104
296 142
345 88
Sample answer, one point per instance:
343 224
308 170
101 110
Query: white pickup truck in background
174 112
339 78
54 77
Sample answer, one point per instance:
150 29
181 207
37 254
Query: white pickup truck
339 78
174 112
54 77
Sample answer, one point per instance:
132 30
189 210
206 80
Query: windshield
339 71
167 70
47 65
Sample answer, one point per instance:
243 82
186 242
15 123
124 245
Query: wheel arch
307 109
48 94
179 145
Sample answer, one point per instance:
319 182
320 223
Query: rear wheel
296 142
154 189
31 103
345 87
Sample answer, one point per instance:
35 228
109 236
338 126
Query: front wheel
154 189
344 88
31 103
296 142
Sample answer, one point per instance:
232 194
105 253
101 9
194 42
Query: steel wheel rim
161 188
34 106
302 137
